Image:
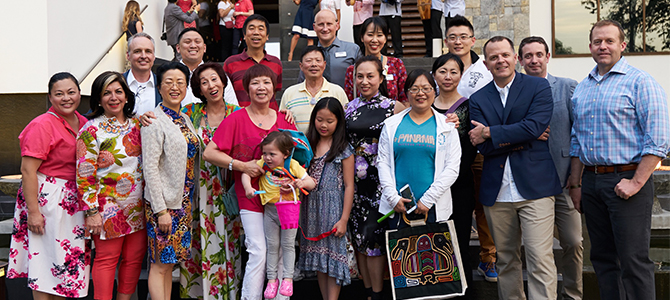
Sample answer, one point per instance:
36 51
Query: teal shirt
414 155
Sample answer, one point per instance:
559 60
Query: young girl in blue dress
327 207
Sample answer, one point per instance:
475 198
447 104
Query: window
646 24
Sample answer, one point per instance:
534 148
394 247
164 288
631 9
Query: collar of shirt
619 67
336 43
246 56
504 91
133 82
200 64
324 87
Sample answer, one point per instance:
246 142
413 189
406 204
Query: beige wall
71 36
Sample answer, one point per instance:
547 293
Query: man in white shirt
192 48
141 80
519 179
460 38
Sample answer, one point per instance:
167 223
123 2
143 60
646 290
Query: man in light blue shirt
621 131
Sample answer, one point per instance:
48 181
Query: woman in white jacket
418 148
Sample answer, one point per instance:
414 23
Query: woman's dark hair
377 23
443 59
98 88
61 76
414 75
195 79
282 140
383 89
258 70
171 66
340 141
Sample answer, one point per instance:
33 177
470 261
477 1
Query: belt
611 169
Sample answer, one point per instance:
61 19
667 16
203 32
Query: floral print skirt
57 262
173 247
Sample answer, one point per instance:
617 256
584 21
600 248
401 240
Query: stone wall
509 18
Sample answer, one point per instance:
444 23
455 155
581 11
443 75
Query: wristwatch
230 165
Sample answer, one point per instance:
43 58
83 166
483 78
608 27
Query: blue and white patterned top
619 117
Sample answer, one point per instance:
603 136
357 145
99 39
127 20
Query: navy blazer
159 99
514 132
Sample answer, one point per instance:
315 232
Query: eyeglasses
425 90
180 84
462 37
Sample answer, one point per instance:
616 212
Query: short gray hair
140 34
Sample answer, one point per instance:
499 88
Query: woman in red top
185 6
235 146
48 245
243 9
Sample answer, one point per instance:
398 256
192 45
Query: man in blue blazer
141 80
534 56
519 179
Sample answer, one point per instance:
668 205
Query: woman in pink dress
48 245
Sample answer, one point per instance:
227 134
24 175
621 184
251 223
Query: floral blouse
109 174
395 74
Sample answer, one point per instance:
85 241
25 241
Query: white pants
254 241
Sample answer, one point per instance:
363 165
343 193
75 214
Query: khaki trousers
532 220
568 223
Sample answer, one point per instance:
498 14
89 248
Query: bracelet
161 213
575 186
91 212
230 165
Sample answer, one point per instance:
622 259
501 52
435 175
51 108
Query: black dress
364 120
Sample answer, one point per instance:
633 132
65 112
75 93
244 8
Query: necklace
256 118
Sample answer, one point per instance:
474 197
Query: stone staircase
413 40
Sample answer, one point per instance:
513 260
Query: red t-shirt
243 6
50 138
240 138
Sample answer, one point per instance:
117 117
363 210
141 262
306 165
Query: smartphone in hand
406 192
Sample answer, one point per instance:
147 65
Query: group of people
178 163
228 17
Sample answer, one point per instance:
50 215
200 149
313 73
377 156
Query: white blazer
447 163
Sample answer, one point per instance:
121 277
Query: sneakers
488 270
271 289
286 288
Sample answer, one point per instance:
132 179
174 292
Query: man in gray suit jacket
174 19
534 56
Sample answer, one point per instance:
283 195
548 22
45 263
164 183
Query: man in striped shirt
621 131
256 33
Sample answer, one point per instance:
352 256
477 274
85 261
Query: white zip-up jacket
447 162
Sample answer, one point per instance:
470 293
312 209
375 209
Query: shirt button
501 166
592 116
591 149
591 133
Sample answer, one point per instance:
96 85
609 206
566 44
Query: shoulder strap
456 105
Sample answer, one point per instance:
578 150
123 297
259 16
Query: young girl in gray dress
326 208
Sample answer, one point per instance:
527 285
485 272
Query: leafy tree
560 49
631 15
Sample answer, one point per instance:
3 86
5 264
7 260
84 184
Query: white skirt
57 262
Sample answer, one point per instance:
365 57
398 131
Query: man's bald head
326 26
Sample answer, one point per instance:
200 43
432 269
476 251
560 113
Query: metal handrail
108 49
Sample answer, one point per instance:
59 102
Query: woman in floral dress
213 271
170 154
373 35
109 179
364 118
48 245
